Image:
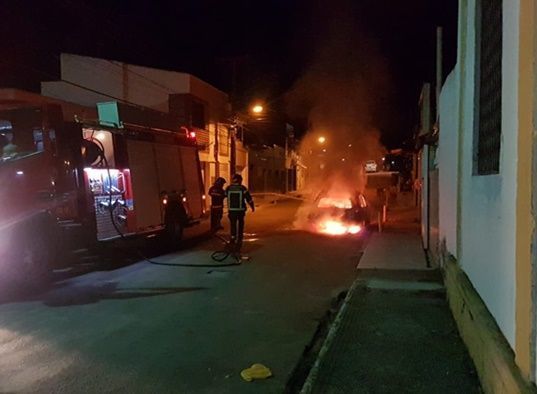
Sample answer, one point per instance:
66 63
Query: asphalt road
153 329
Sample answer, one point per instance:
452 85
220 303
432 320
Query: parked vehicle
371 166
68 185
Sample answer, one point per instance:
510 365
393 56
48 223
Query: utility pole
438 69
216 152
233 148
289 132
285 165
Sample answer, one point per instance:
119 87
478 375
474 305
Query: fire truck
70 181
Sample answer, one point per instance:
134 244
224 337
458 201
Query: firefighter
9 149
237 197
217 193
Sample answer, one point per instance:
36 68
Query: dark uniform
237 198
217 194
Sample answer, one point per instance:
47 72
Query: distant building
267 169
191 101
274 164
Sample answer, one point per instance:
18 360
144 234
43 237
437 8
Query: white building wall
534 197
147 87
65 91
217 101
447 163
138 85
487 249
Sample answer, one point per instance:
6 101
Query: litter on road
256 371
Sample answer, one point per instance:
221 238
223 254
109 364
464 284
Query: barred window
223 142
203 140
489 88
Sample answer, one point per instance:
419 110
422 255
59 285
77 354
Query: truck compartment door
145 187
170 169
193 183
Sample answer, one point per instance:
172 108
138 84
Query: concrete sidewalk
395 332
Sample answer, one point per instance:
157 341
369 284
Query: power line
79 86
110 27
113 32
167 89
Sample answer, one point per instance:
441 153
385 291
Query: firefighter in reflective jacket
217 193
237 197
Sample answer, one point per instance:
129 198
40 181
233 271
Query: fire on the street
336 227
331 202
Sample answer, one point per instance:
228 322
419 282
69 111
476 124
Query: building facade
192 102
267 166
488 190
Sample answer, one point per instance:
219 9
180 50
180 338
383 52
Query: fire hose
218 256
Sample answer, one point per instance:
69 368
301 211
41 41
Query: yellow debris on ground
256 371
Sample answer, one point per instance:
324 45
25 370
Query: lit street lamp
258 113
321 140
257 109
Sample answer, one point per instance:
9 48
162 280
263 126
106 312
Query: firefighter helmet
237 178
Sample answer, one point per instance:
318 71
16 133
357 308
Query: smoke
343 94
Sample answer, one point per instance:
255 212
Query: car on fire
340 214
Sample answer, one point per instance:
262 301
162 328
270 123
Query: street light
259 113
257 109
321 140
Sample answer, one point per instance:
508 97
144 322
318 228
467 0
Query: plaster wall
488 202
447 163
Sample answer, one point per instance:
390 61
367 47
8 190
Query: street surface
145 328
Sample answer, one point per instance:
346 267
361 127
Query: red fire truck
68 184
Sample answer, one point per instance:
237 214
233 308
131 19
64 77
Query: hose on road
219 255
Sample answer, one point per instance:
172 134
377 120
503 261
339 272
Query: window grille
489 114
223 143
203 140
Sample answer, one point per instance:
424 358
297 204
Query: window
224 170
21 134
223 143
487 137
198 115
202 138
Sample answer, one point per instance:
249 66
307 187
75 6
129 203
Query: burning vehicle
339 214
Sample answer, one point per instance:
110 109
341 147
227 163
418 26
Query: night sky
251 49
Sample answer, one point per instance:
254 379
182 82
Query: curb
312 375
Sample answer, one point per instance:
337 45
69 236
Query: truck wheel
34 252
174 233
35 260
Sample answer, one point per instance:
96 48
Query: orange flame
336 227
354 229
331 202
